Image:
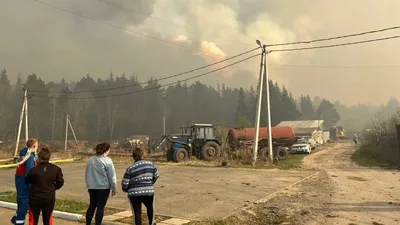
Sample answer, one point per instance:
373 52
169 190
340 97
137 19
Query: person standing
355 139
138 182
44 179
100 180
26 161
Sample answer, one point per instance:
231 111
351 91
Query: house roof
302 124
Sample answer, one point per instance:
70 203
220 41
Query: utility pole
66 132
19 129
271 157
26 115
164 125
259 99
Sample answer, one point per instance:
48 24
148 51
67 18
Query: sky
157 38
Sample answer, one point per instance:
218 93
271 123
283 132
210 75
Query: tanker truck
282 138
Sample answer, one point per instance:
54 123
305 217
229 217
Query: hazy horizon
55 44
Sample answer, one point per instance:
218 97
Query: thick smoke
55 44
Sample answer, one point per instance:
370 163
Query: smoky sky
55 44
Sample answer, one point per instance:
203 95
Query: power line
333 45
330 66
148 89
337 37
163 78
118 27
160 19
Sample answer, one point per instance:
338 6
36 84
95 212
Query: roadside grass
259 216
128 220
369 156
69 206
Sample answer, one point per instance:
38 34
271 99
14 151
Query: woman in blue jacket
27 160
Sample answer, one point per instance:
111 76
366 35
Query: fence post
398 142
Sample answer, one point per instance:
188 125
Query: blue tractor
198 140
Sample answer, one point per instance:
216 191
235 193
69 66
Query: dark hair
31 142
102 148
137 153
44 154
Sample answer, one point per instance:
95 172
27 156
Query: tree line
96 118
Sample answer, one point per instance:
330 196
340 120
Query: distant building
310 128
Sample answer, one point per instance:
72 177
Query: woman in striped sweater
138 182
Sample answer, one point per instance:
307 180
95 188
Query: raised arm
30 163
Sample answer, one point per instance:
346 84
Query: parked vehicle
282 138
302 146
198 140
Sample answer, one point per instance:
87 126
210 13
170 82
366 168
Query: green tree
327 112
306 108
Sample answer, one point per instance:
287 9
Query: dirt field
359 195
187 192
342 193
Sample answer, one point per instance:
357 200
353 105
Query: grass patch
291 162
145 221
369 156
61 205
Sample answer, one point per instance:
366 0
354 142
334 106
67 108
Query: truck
197 140
283 137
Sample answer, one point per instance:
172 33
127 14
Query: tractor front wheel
211 151
181 155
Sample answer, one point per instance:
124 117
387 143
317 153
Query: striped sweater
139 179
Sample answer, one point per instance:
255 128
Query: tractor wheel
211 151
170 155
281 153
181 155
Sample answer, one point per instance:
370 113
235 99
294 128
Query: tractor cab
200 142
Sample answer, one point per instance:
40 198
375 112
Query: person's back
100 179
138 183
100 173
44 179
142 176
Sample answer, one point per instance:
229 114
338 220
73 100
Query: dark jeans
98 201
46 207
136 204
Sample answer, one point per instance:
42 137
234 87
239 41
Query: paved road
6 214
187 192
360 195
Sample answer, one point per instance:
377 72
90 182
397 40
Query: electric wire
158 79
337 37
153 88
333 45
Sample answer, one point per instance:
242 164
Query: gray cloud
55 44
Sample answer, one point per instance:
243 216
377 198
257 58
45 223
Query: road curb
270 196
56 214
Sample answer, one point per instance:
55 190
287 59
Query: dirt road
187 192
358 195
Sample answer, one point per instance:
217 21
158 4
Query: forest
121 106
